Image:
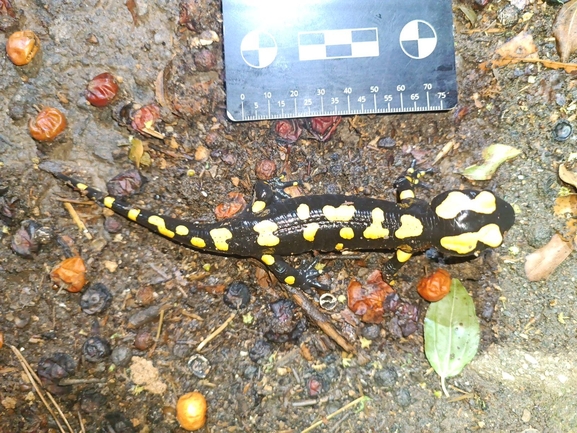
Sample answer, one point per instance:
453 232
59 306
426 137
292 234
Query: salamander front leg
304 278
395 263
405 184
267 192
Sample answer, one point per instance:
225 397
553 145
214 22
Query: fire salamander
457 222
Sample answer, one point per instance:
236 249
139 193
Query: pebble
386 378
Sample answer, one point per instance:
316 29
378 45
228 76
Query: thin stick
215 333
77 220
31 377
335 413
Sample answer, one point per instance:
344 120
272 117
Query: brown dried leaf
565 30
519 47
568 174
541 263
566 205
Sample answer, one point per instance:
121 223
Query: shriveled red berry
436 286
47 125
102 90
22 46
145 117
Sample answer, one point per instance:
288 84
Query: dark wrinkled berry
391 302
288 130
121 356
116 422
562 130
56 366
143 340
126 183
95 349
199 366
112 224
24 242
7 206
91 401
283 311
386 378
260 350
314 386
236 295
95 299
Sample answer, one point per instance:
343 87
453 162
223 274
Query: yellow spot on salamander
198 242
220 238
133 214
403 256
491 235
466 243
310 231
290 280
376 229
406 194
81 186
456 201
411 227
108 201
347 233
303 211
339 246
343 213
181 230
160 224
267 259
266 236
258 206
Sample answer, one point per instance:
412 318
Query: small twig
335 413
160 321
319 319
215 333
83 430
78 202
77 220
71 381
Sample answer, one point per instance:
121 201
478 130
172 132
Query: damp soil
524 377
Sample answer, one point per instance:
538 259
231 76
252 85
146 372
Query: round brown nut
191 411
22 46
47 125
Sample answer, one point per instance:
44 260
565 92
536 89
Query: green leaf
494 156
452 332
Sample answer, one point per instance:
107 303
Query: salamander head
476 220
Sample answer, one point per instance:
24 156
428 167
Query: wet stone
121 356
371 332
403 397
386 378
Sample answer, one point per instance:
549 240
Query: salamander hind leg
405 184
304 278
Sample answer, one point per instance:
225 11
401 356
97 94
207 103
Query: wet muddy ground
523 379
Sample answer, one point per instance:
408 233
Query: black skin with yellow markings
458 222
